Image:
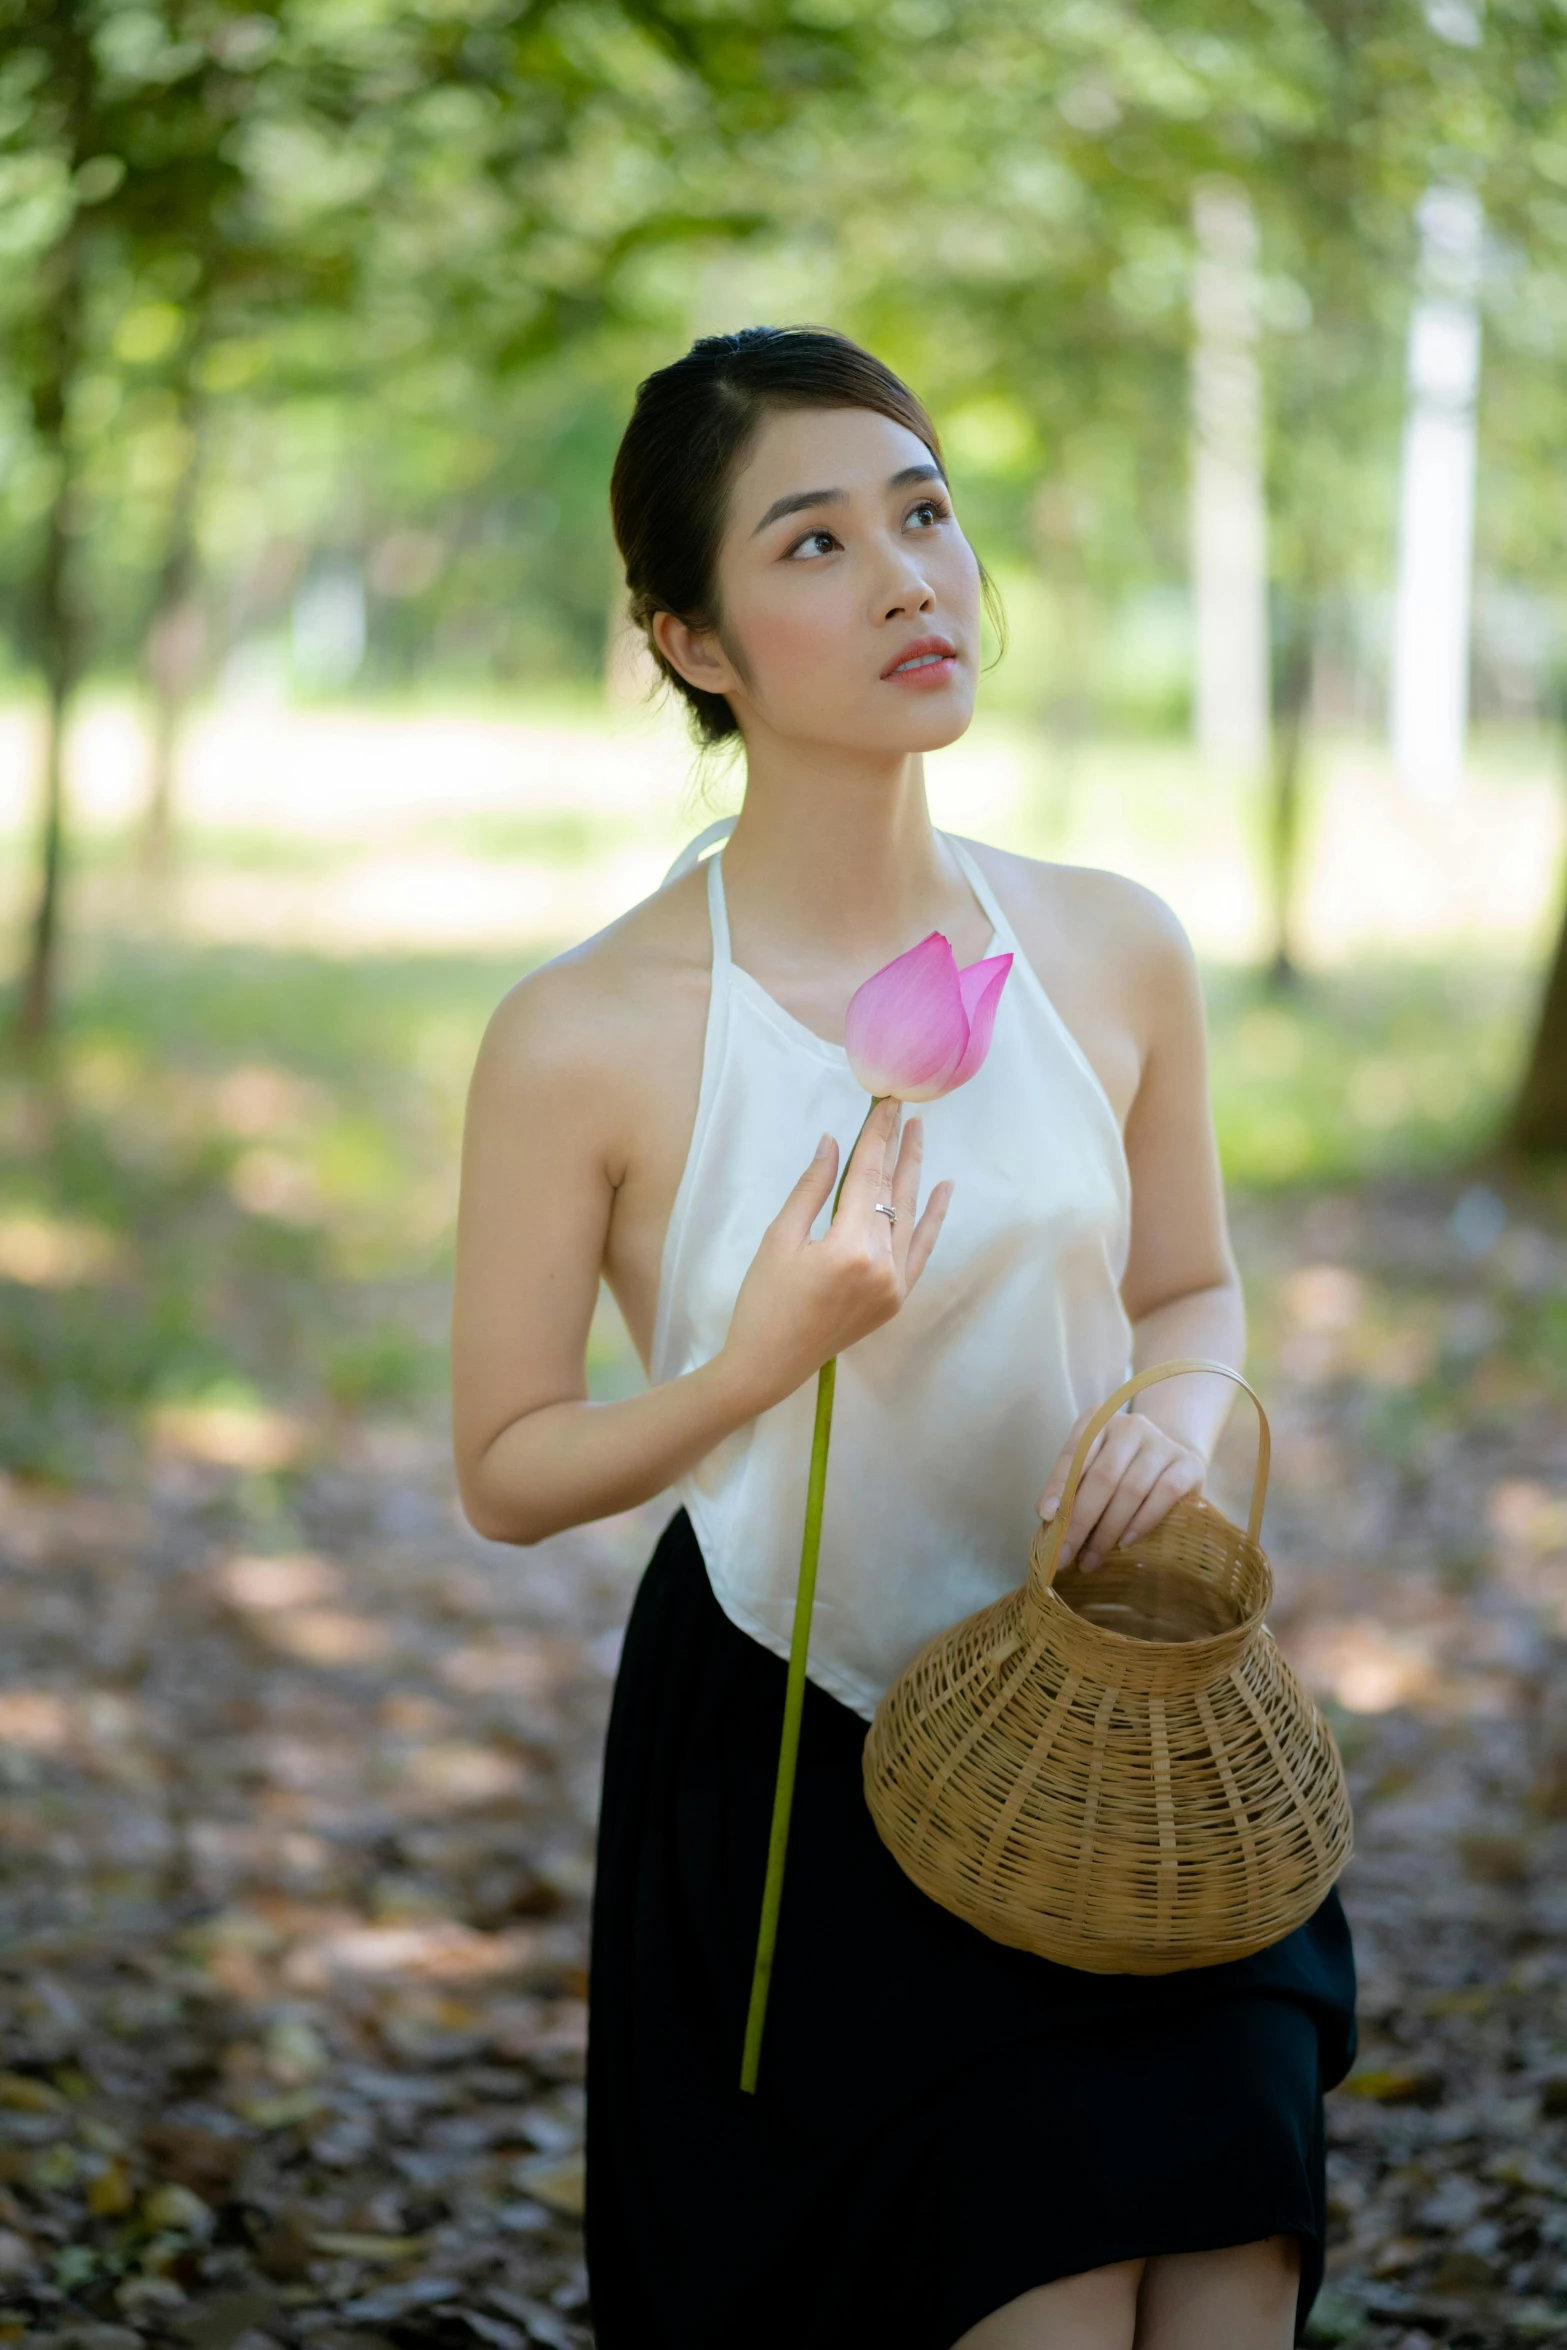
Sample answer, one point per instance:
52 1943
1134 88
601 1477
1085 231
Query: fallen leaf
19 2093
195 2156
351 2246
1398 2254
17 2258
1396 2084
111 2194
560 2186
282 2113
179 2210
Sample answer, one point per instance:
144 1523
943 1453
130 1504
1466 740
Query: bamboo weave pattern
1117 1770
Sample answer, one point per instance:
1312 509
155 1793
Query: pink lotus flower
920 1027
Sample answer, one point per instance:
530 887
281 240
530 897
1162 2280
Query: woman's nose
906 589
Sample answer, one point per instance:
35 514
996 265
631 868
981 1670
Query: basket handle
1046 1552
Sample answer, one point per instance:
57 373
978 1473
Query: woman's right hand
803 1300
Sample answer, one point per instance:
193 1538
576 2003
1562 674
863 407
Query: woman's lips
931 661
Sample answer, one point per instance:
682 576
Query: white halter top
948 1419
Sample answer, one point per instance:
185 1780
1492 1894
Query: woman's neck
834 854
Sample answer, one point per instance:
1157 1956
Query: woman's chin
932 728
944 728
933 732
925 725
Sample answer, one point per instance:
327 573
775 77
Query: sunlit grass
456 826
264 1149
226 1205
1361 1071
233 1194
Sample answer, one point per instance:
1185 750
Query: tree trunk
58 638
35 1015
1291 690
49 342
1537 1125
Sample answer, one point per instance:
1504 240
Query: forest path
297 1834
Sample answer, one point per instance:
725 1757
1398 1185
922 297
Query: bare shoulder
1098 916
612 1007
1112 958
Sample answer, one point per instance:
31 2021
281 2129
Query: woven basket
1117 1769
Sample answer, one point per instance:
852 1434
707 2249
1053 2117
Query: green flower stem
789 1745
794 1703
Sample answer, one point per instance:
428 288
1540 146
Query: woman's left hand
1136 1474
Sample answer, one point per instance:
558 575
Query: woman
954 2143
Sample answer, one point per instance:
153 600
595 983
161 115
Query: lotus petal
906 1030
981 985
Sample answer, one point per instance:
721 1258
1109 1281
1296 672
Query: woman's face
848 595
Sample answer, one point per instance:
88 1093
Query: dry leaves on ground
292 1985
297 1782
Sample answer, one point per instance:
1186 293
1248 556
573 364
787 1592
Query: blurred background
1246 328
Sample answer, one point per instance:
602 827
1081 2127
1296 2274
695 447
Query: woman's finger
810 1195
1117 1447
904 1185
1172 1485
1132 1489
923 1238
1050 1500
906 1172
869 1163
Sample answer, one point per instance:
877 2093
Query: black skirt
942 2123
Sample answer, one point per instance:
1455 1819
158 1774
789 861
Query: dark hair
691 424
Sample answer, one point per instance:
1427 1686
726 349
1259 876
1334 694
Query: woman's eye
815 542
928 513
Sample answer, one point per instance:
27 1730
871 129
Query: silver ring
882 1209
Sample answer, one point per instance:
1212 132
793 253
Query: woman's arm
544 1152
1181 1290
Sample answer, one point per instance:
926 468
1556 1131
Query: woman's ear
694 654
